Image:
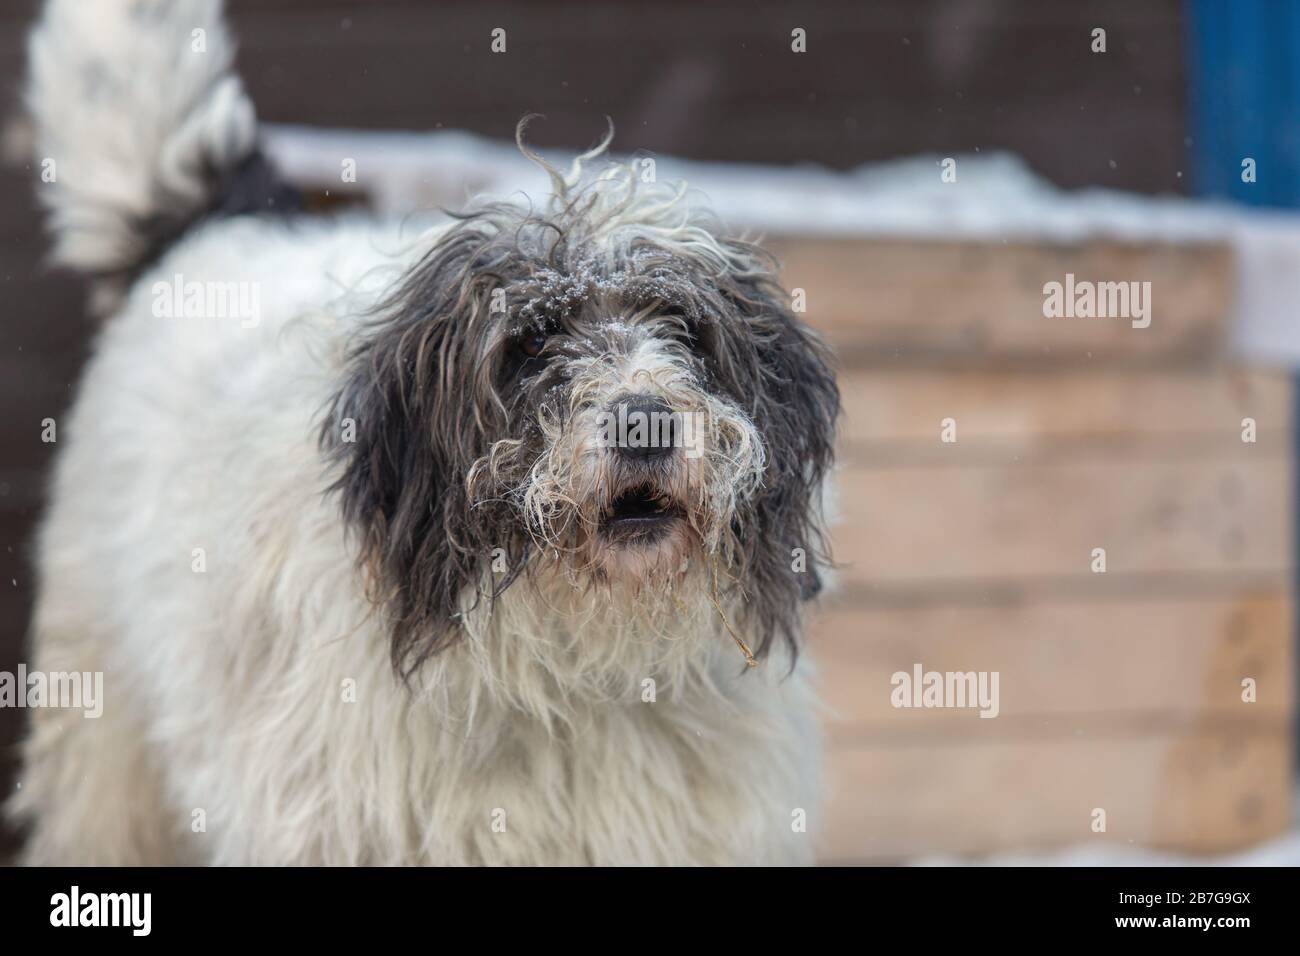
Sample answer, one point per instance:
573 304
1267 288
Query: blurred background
1111 156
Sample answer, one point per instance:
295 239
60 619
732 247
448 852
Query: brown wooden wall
709 80
1120 690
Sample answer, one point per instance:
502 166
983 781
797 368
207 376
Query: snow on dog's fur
365 581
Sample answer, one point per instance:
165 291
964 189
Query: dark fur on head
451 410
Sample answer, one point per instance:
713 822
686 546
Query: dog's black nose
645 428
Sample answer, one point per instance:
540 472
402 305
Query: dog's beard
633 566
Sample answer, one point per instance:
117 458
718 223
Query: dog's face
623 457
609 393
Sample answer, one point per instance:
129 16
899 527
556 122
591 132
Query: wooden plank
1060 664
1201 792
894 415
1035 521
895 300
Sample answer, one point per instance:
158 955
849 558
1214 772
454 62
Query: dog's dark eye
533 343
523 354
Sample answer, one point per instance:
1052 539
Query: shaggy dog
366 531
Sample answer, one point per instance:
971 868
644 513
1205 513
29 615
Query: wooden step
1032 521
1138 661
893 416
1198 792
900 301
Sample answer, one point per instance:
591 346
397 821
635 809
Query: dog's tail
141 128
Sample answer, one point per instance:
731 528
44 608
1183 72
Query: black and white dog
363 527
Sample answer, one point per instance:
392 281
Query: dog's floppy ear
784 379
404 430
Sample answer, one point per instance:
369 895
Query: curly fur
416 634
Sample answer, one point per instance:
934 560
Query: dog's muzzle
642 509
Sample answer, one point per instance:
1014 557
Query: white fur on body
251 711
225 690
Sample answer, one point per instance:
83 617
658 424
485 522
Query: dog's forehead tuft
621 284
